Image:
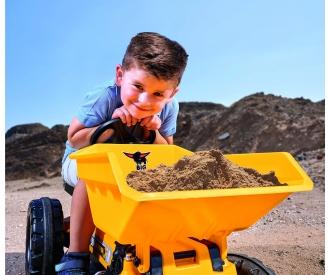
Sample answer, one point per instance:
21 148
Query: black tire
249 266
44 236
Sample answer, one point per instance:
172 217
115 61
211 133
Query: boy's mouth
141 109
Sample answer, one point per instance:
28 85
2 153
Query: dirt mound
202 170
36 154
24 130
256 123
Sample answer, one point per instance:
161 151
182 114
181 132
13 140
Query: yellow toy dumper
178 232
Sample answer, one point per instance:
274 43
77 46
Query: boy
144 90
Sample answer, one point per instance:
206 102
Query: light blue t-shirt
99 105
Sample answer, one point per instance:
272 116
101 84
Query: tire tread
36 234
246 265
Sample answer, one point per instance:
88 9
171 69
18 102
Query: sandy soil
290 239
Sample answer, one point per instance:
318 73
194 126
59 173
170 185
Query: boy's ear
119 75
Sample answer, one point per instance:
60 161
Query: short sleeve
97 106
169 117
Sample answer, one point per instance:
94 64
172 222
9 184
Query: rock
224 136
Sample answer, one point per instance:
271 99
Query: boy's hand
125 116
151 122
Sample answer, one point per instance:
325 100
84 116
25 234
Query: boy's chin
140 114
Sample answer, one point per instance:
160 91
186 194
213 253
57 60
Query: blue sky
56 51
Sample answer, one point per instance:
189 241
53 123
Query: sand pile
202 170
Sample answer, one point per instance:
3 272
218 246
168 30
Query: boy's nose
143 97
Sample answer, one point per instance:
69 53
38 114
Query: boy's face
142 93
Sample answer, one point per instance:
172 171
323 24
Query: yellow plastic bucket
127 214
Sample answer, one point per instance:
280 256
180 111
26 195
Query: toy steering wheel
124 134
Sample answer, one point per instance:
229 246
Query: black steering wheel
123 134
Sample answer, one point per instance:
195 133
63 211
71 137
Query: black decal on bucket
139 158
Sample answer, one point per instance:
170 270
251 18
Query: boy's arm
79 136
169 139
154 123
163 140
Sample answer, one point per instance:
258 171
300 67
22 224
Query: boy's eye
158 94
139 87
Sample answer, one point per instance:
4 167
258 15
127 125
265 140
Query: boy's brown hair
161 57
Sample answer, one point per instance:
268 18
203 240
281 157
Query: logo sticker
139 158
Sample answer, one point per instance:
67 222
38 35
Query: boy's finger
122 116
145 121
134 120
117 114
128 117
